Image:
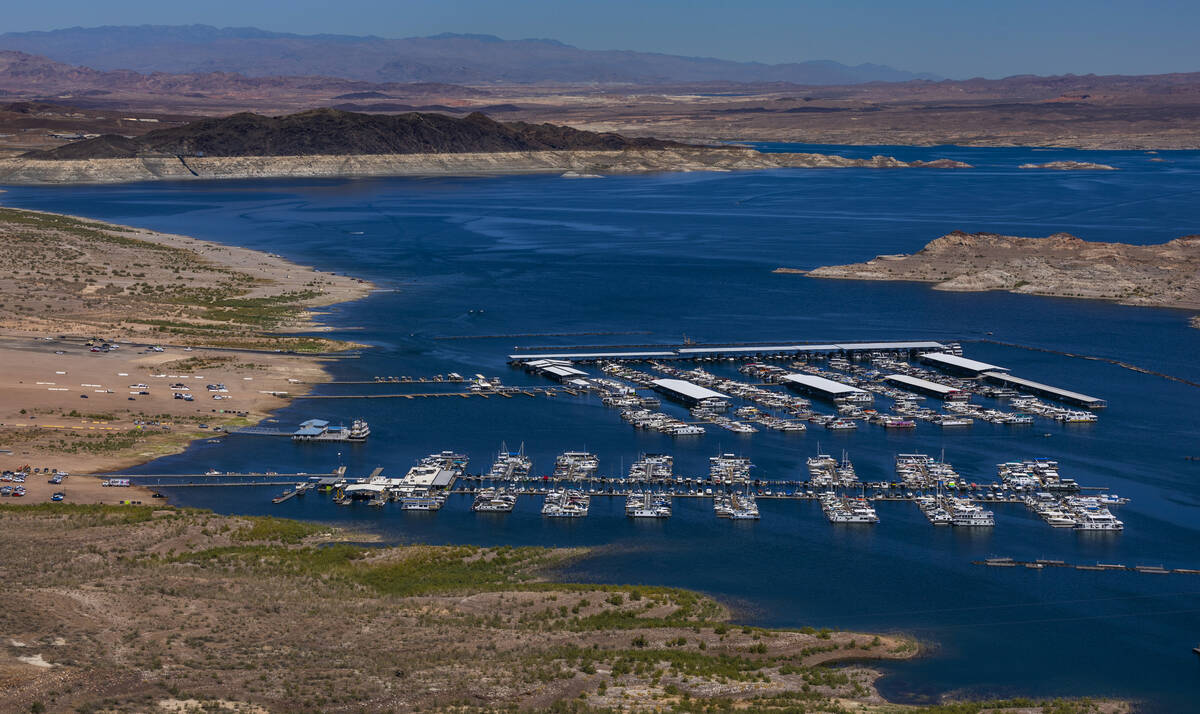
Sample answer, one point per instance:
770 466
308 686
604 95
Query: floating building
320 430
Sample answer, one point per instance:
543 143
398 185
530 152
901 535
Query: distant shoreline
21 171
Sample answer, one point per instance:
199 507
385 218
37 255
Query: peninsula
330 142
1061 265
99 320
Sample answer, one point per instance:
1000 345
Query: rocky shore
1061 265
125 170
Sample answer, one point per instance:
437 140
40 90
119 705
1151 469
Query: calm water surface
692 254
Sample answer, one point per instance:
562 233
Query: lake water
692 254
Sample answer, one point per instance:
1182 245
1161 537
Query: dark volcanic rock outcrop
332 132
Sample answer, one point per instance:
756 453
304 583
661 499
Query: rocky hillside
330 132
1163 275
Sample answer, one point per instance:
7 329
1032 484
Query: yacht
965 513
743 507
1098 521
510 466
933 511
420 503
566 503
845 471
574 465
640 504
821 468
728 468
359 430
652 467
490 500
840 509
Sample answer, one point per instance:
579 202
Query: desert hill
327 132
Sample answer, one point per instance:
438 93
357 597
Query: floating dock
1102 567
753 352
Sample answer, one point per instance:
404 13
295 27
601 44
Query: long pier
508 393
753 351
598 486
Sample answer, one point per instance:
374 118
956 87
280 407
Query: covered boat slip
959 365
1044 390
686 391
846 348
820 386
924 386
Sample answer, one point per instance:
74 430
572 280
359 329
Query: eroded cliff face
62 171
1062 265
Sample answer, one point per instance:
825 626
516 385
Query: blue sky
958 39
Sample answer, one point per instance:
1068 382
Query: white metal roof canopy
687 389
828 386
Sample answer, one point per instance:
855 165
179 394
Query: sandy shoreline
64 406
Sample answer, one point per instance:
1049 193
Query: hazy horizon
957 41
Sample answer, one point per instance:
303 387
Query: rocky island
1061 265
1070 166
330 142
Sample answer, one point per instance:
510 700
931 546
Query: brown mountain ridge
331 132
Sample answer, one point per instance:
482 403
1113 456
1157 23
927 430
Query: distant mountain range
23 72
450 58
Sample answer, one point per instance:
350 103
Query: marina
574 252
850 380
940 493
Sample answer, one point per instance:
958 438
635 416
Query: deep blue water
692 254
